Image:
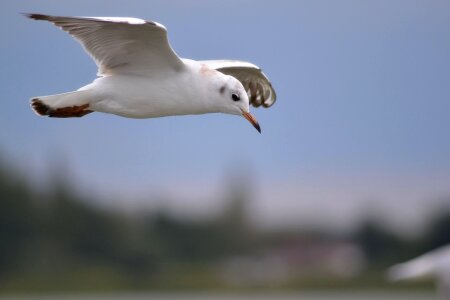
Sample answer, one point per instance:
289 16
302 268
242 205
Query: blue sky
363 97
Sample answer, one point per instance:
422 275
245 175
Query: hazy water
249 296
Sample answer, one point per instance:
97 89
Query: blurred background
350 175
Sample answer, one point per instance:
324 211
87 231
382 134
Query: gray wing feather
120 45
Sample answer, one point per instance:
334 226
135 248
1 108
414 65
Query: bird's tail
72 104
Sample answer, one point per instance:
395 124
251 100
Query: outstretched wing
120 45
258 87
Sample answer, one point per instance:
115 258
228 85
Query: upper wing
120 45
258 87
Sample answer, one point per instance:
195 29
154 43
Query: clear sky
362 119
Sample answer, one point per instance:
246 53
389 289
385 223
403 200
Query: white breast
175 93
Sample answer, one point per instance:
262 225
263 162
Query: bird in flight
434 264
140 75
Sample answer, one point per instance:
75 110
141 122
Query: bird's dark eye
235 97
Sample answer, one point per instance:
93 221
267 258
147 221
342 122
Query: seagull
434 264
140 75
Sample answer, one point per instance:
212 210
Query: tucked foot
64 112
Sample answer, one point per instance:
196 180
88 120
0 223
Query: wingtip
35 16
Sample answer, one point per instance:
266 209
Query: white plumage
142 77
432 265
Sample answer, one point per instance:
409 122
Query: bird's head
234 100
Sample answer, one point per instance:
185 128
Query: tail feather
73 104
40 108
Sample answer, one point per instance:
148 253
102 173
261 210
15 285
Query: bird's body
141 76
432 265
139 96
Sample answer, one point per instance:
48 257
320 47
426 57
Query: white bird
434 264
140 76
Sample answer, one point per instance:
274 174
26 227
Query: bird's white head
234 100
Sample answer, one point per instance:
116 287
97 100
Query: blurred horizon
201 202
57 241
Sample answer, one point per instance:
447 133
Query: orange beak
252 120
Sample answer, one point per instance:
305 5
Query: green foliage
17 220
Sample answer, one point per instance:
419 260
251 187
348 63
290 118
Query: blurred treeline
58 240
